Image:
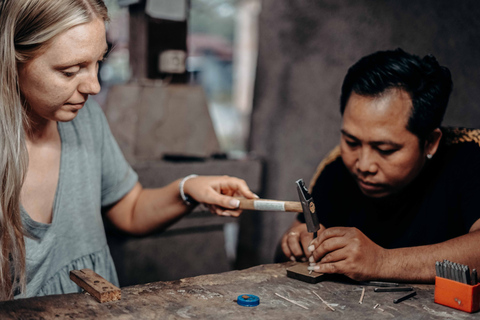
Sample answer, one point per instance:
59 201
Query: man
400 192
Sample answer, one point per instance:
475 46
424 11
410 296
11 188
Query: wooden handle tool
270 205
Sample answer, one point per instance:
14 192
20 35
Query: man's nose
366 161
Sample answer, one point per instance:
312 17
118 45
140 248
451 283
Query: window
222 53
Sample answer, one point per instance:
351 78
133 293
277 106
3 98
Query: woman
60 166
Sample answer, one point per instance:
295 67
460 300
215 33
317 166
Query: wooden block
98 287
300 272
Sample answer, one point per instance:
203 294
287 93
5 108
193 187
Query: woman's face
57 82
377 149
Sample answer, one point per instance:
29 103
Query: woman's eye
70 72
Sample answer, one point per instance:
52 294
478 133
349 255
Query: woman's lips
77 106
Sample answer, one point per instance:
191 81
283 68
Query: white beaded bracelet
186 199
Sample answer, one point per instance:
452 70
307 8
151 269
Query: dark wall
306 47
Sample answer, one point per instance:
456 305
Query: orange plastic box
457 295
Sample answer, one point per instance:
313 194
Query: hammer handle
270 205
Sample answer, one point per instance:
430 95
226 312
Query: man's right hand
295 242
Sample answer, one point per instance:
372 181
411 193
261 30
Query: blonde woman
59 164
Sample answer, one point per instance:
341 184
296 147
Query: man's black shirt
440 204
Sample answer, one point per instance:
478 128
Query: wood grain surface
214 297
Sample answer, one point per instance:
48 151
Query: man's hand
295 242
350 252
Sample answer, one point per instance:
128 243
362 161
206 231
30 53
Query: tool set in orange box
456 287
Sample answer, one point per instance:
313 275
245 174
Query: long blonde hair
26 27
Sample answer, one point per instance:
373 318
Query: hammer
305 205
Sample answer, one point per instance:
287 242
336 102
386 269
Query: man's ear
433 141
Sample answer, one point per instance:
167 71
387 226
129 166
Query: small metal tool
395 289
309 212
408 296
455 271
379 283
308 206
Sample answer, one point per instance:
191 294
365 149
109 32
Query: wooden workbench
214 297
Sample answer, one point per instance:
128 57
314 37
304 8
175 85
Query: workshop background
257 98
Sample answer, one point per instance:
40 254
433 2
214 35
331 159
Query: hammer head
308 207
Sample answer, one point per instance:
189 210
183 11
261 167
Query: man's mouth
370 187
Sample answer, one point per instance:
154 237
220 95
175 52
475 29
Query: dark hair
428 84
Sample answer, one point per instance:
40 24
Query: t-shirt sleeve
118 177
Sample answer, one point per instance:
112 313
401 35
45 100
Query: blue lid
248 300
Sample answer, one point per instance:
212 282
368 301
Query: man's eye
351 143
387 151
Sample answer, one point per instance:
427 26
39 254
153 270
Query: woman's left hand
217 192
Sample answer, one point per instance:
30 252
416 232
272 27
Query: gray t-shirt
93 174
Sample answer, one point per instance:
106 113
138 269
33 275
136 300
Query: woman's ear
432 142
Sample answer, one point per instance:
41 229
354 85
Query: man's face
56 83
377 149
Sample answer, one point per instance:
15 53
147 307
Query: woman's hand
217 192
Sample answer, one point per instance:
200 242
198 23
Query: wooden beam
98 287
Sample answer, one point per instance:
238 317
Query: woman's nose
90 84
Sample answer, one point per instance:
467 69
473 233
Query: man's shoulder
461 151
461 144
330 166
459 136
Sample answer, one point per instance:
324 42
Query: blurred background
219 41
250 88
